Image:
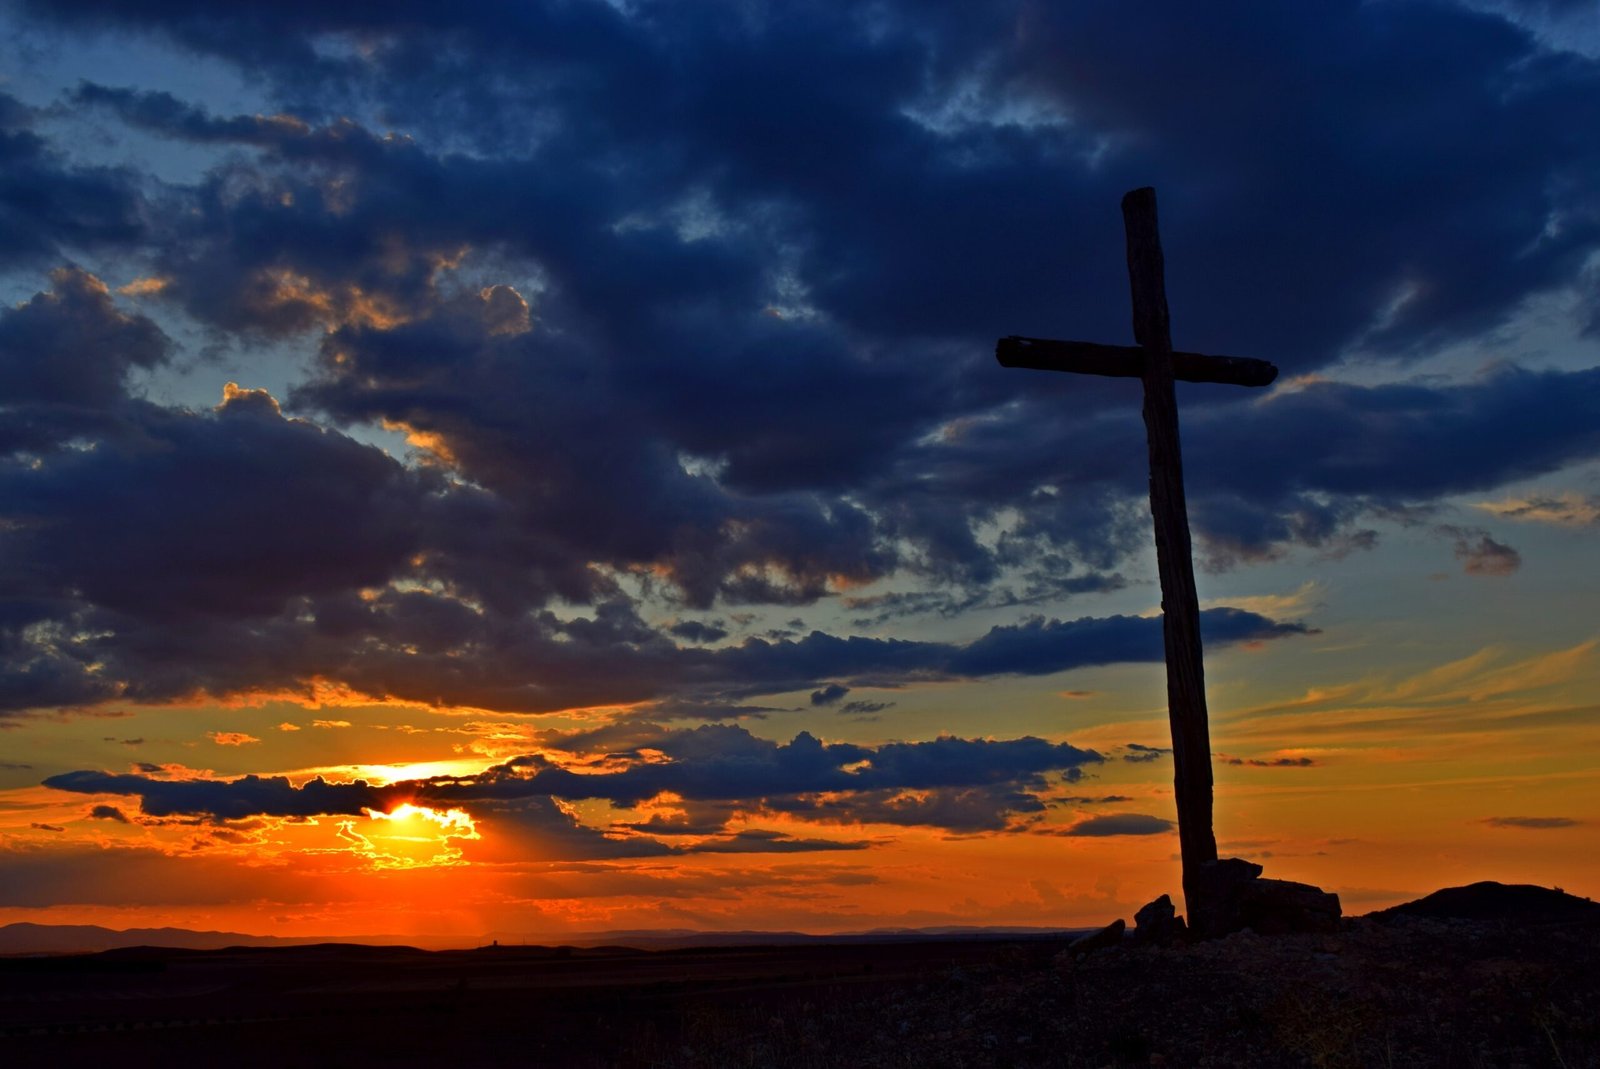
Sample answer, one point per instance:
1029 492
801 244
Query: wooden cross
1154 361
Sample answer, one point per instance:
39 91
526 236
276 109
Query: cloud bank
957 784
678 330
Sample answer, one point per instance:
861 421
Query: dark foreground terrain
1405 989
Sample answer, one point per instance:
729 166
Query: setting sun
411 835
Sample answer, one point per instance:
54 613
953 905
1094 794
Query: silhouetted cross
1154 361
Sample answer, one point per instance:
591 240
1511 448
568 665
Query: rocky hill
1487 975
1491 901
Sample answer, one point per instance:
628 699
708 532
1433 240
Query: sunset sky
537 468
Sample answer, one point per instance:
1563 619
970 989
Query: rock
1235 897
1231 871
1492 901
1109 936
1214 909
1157 924
1277 907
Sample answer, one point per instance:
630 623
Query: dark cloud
46 827
250 796
1275 762
1341 469
1040 647
1039 585
692 709
829 695
1535 823
163 113
552 829
108 812
725 762
166 514
1298 175
962 784
1139 754
1481 555
448 379
71 349
660 309
1120 824
50 206
960 810
864 708
243 542
712 822
696 631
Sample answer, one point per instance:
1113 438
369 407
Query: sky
540 468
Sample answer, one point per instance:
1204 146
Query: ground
1394 991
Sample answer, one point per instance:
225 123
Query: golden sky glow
1379 787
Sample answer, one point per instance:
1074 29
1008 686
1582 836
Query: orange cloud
1562 510
231 738
143 287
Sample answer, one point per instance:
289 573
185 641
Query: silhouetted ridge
1491 901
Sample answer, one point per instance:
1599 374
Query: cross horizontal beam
1128 361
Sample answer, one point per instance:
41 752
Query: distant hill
25 938
28 938
684 938
1485 901
1491 901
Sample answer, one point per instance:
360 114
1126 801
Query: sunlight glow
450 819
381 775
411 836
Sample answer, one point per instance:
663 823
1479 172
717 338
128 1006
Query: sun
407 813
411 836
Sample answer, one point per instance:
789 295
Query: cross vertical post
1155 362
1180 604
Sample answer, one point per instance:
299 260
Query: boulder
1214 898
1157 924
1277 907
1235 897
1109 936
